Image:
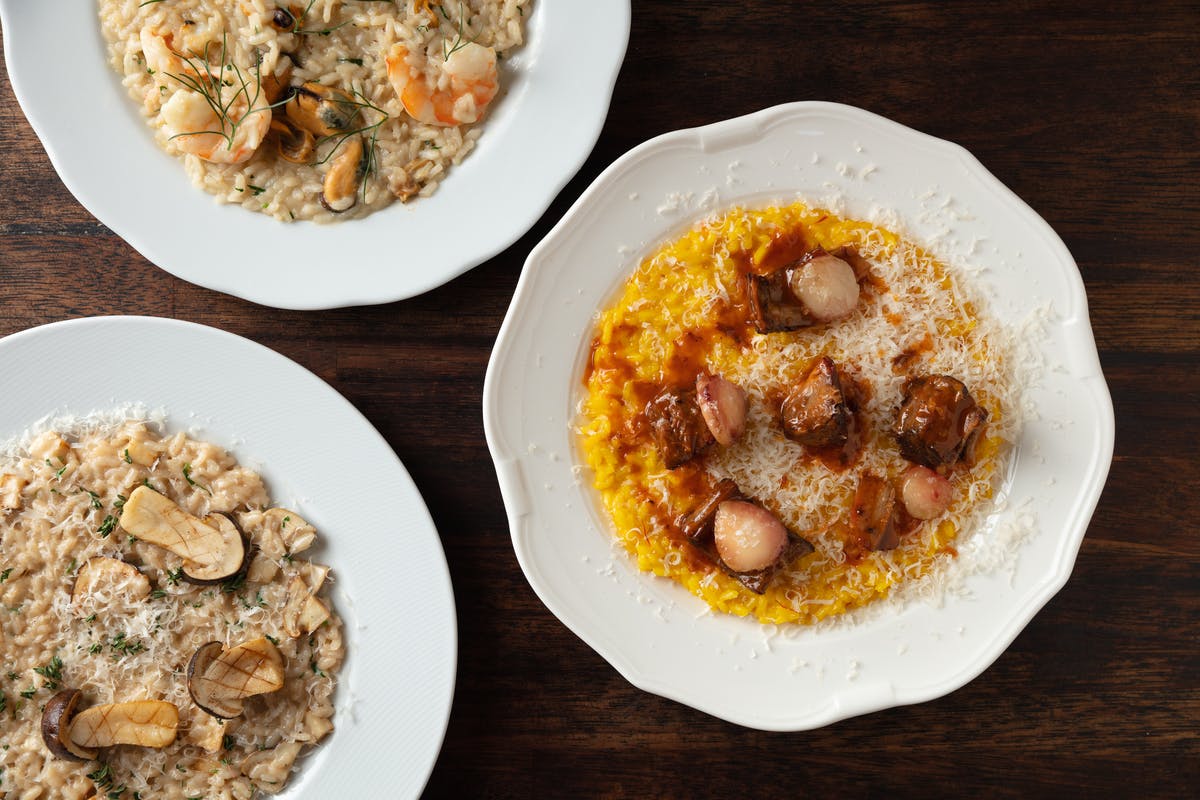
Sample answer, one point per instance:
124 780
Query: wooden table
1092 116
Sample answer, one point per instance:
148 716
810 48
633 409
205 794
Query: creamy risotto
318 109
163 635
885 333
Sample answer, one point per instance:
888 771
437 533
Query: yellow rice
682 310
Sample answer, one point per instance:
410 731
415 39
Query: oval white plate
318 455
654 632
559 86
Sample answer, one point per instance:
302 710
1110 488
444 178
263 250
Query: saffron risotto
684 310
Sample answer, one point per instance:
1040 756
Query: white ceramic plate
559 86
319 456
652 630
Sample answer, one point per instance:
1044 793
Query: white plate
651 629
319 456
559 86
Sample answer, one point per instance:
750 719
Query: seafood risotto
791 414
162 635
317 110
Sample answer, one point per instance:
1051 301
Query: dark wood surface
1089 111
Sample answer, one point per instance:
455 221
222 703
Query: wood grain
1090 112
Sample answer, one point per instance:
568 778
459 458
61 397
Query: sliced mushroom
49 446
314 576
295 144
293 530
142 452
213 549
723 406
220 681
269 769
235 554
148 723
262 569
312 615
344 177
10 491
208 731
111 575
322 110
56 722
202 690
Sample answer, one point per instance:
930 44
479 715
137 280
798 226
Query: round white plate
558 89
320 456
653 631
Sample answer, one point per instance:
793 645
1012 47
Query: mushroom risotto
320 109
791 413
162 635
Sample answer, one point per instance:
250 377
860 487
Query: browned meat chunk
872 512
815 413
818 287
773 306
938 421
698 526
679 429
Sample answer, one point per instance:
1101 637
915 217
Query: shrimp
218 120
454 91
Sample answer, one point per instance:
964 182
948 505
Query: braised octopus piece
819 287
678 426
816 413
741 537
938 422
872 512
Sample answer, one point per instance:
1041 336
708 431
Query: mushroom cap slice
219 682
56 722
104 573
296 534
201 690
151 517
234 554
147 723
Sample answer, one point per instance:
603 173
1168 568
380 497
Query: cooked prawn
452 91
219 120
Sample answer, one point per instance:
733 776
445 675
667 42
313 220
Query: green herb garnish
107 526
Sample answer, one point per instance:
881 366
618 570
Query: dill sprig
247 88
299 21
460 41
361 107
